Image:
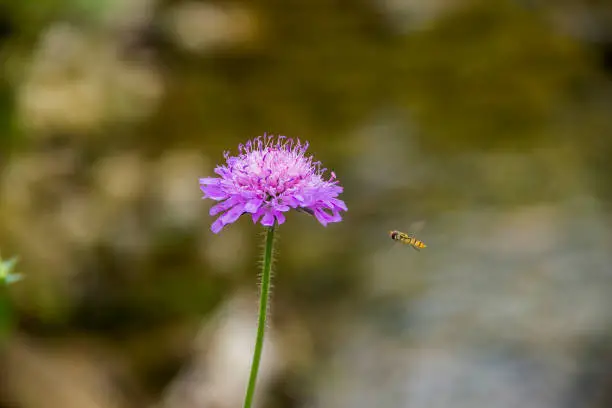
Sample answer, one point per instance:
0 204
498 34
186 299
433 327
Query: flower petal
257 215
223 205
217 225
339 204
210 180
281 207
335 217
223 172
325 218
214 192
233 214
280 217
268 219
290 201
253 205
305 210
321 217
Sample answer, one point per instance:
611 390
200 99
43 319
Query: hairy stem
264 298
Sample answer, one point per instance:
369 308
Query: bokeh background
489 119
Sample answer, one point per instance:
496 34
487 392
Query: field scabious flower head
268 177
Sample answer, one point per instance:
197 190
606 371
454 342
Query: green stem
264 297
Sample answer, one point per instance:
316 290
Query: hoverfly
409 239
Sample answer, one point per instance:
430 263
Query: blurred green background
489 119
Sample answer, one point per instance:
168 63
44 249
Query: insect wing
416 227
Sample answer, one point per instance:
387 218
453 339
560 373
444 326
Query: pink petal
268 219
233 214
256 216
210 180
339 204
280 217
222 206
217 225
253 205
213 192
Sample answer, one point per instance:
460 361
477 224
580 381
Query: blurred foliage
491 75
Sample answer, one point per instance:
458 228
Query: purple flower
270 176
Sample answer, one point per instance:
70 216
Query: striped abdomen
407 239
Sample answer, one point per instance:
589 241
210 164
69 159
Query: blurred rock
120 177
409 15
127 15
202 26
76 83
176 177
591 21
